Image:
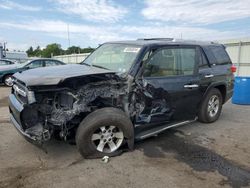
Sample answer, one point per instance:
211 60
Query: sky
25 23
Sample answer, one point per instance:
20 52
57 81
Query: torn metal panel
84 96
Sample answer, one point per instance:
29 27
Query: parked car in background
124 91
6 62
7 71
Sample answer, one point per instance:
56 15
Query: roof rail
165 39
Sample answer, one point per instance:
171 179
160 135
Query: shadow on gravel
197 157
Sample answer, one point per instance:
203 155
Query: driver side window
171 62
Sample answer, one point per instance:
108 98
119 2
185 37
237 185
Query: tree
30 51
52 49
55 49
73 50
87 50
37 52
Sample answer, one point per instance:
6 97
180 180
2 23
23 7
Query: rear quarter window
217 55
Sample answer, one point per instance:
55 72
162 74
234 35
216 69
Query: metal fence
239 52
72 58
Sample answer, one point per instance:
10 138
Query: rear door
171 82
206 72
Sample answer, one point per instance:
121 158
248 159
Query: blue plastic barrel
241 91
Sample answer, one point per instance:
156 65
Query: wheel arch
221 86
111 111
5 75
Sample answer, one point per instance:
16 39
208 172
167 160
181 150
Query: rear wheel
211 106
8 80
103 132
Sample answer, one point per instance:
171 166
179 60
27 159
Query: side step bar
157 130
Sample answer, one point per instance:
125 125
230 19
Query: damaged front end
56 111
43 112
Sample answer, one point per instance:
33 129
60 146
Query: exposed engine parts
67 104
62 110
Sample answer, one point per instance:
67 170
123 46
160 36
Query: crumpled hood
56 74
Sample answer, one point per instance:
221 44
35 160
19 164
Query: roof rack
165 39
177 40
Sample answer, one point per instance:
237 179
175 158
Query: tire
208 114
94 134
7 81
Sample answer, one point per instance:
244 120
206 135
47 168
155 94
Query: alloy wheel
107 139
213 105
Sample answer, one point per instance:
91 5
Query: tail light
233 68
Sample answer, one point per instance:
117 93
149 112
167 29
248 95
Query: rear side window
217 55
49 63
171 62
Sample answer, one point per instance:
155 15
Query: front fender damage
60 112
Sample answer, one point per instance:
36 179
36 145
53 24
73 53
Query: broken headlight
30 96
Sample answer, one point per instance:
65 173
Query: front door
170 85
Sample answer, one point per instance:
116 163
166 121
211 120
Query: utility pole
68 34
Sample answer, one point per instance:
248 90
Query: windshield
116 57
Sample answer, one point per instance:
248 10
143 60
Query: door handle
191 86
209 76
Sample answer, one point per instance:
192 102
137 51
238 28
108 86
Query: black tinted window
220 54
171 62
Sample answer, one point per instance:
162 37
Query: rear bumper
229 95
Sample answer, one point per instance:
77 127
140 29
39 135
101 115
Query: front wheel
211 106
103 132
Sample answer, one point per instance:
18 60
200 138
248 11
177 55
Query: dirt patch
15 177
4 102
5 121
197 157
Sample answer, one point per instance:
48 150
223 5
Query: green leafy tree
73 50
87 50
52 49
37 52
30 51
55 49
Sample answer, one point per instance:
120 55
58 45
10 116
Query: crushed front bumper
16 109
19 128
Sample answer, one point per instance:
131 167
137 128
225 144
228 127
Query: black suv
123 92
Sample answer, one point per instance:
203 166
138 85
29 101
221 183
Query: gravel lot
195 155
